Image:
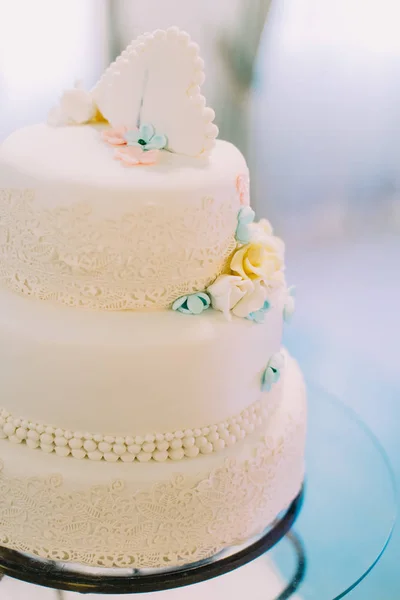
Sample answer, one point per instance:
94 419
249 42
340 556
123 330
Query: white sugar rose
78 105
252 301
227 291
259 260
75 108
233 293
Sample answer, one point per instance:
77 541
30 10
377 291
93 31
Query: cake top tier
78 155
78 228
126 201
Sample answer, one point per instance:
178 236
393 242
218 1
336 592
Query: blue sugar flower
245 218
290 304
146 138
272 373
194 304
258 316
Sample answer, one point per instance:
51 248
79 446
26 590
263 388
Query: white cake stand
342 529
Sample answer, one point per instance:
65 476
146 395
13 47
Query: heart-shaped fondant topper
157 80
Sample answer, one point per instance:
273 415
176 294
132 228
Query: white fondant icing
129 374
210 503
160 74
77 229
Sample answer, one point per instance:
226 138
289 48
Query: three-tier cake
149 416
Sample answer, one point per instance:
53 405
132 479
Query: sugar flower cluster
255 270
135 146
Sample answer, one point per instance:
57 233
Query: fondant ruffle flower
243 188
146 138
272 373
259 261
290 304
233 294
115 137
245 218
132 156
193 304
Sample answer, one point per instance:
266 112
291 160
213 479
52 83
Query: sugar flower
243 188
193 304
115 137
76 106
259 261
231 294
245 218
290 303
258 316
132 156
272 373
146 138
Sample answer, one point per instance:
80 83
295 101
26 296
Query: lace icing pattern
144 259
178 521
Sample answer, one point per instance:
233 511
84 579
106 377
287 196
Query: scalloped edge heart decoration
157 80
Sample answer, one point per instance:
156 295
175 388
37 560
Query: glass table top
350 504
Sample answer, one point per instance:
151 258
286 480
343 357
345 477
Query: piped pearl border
188 443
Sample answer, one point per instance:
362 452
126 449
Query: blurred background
310 92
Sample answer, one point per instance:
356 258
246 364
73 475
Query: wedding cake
149 416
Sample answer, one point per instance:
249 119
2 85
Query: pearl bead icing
171 445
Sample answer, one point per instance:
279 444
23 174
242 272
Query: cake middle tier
128 373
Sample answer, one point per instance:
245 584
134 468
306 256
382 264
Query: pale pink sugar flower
243 188
115 137
132 156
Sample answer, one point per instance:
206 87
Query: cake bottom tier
154 514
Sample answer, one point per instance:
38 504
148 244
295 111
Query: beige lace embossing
145 259
178 521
